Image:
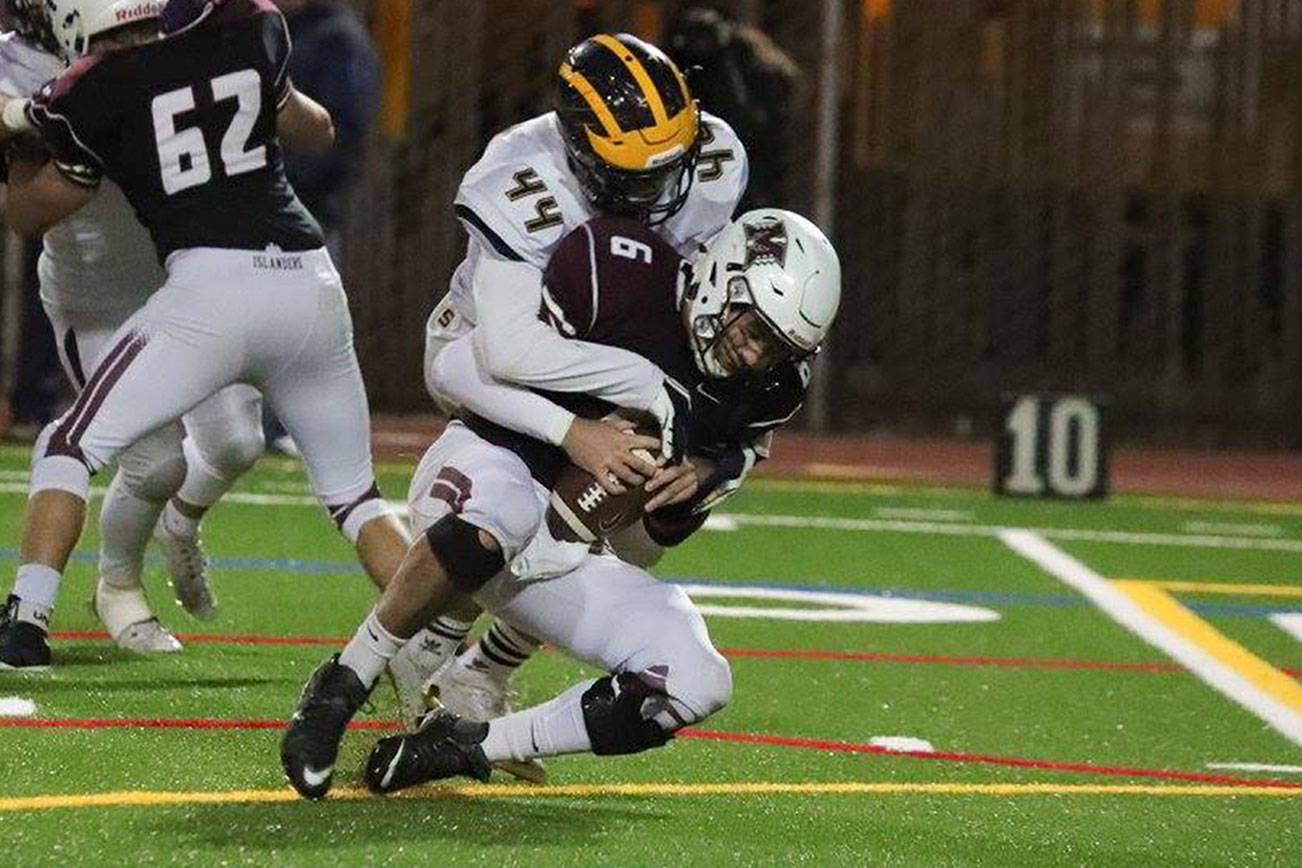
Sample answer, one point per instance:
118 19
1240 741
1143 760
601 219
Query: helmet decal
766 242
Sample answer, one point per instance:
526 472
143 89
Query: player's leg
665 674
160 363
149 472
146 477
319 396
476 683
223 440
473 506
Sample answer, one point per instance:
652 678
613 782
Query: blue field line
991 598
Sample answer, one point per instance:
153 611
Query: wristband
15 116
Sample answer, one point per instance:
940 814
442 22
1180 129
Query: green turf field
1057 735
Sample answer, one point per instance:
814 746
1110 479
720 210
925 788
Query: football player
96 269
736 329
625 139
186 125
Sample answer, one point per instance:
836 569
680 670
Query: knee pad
231 453
153 468
621 714
468 564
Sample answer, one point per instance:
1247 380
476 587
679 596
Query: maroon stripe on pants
66 439
341 512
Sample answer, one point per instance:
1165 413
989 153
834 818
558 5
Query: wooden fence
1100 195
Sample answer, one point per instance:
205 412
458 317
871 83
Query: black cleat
311 741
22 645
443 746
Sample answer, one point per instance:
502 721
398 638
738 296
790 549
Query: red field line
992 759
715 735
772 653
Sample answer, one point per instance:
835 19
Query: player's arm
42 199
515 345
685 494
304 124
603 449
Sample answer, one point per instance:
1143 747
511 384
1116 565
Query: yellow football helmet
631 127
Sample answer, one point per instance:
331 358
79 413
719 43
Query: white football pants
277 322
605 612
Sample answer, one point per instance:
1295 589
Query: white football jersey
99 259
521 198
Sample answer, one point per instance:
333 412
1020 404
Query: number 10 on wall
1051 445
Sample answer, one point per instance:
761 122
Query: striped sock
450 629
500 651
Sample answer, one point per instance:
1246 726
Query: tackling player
625 139
186 125
737 329
96 269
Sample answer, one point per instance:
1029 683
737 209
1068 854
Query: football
580 510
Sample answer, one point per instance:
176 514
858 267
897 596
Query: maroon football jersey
186 126
614 281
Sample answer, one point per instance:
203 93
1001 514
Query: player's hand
605 447
672 409
672 484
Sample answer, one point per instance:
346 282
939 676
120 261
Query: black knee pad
456 544
618 712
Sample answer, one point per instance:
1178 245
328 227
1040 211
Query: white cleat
148 637
188 569
477 696
125 613
412 668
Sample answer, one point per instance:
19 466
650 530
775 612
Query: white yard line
1289 622
1198 657
16 706
924 513
729 521
1257 767
1232 528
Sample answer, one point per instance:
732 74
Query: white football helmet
75 22
775 263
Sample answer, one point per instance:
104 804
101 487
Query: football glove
672 409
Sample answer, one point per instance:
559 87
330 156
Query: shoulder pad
722 168
520 199
722 171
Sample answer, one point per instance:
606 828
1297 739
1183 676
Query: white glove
672 408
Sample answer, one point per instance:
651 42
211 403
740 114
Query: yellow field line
516 791
1228 588
1155 600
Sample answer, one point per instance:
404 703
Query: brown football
580 510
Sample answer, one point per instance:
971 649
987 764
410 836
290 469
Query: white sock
370 649
553 728
177 523
36 586
499 652
126 522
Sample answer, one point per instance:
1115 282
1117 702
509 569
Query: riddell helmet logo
138 12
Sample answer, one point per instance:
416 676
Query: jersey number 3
183 155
